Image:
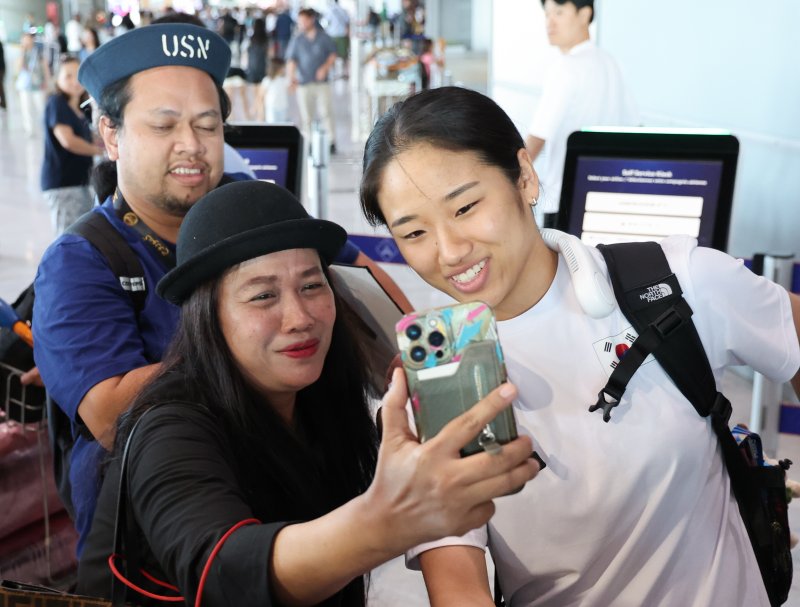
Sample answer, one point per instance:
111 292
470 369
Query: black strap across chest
122 260
650 297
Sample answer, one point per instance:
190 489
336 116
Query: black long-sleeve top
186 490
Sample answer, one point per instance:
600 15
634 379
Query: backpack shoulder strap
123 261
650 297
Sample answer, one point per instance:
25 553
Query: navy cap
155 46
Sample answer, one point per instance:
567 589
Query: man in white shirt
584 88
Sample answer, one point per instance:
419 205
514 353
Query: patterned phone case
452 359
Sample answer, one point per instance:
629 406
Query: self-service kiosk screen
273 151
268 164
626 199
680 185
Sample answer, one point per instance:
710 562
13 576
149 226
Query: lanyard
164 253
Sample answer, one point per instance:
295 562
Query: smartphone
452 359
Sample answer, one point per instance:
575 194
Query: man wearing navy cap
584 87
162 110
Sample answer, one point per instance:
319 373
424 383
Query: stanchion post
319 158
767 395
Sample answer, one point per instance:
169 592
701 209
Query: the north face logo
656 292
187 46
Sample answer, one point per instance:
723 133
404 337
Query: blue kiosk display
273 151
645 184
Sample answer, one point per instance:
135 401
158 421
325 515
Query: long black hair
325 460
451 118
259 35
93 35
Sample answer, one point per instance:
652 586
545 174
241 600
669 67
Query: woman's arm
73 143
185 496
421 492
46 75
456 575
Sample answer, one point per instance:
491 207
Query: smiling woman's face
463 226
277 313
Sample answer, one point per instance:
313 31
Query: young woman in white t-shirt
637 511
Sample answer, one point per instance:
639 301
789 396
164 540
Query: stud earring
533 203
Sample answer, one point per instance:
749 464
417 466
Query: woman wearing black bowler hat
253 474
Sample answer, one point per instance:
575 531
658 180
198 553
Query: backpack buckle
669 321
605 401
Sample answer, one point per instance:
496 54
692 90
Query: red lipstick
302 349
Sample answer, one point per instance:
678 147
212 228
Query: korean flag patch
611 350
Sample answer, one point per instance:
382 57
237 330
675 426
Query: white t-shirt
584 87
636 511
276 99
72 32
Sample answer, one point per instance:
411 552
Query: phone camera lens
413 332
435 338
418 354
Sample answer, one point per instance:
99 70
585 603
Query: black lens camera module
418 354
413 332
435 339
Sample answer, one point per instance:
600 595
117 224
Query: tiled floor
25 232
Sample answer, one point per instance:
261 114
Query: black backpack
648 294
122 260
650 297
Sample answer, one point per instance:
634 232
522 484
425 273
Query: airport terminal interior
488 59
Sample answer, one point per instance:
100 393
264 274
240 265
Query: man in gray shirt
310 56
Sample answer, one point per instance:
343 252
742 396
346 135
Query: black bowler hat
152 46
241 221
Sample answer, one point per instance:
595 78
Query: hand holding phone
422 492
452 359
